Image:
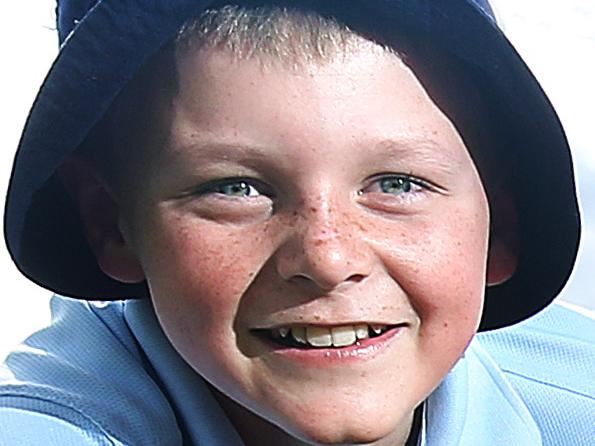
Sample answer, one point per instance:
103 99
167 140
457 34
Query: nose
326 247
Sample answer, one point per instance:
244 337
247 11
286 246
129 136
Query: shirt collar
476 404
200 417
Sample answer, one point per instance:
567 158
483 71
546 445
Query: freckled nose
326 248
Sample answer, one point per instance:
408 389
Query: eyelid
211 186
418 181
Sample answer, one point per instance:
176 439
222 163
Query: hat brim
107 48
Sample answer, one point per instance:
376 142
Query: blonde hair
273 35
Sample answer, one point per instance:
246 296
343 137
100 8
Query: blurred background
557 40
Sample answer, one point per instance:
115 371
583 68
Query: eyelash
410 183
218 187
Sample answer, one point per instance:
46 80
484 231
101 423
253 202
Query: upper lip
328 324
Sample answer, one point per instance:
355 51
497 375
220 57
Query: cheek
202 256
442 269
197 274
456 268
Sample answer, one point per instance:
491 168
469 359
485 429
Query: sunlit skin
349 197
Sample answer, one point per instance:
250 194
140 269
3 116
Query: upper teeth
340 336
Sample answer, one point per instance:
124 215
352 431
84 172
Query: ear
503 250
101 217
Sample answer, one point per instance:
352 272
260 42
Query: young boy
295 211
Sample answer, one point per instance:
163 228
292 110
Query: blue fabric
104 374
550 361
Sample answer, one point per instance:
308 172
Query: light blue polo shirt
105 374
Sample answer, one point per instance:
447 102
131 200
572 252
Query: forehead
365 94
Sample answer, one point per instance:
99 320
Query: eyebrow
404 146
418 150
404 149
220 150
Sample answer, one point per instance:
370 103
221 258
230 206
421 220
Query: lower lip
363 350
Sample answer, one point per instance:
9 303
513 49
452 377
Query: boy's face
334 195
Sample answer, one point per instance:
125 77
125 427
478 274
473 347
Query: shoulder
557 346
549 361
82 378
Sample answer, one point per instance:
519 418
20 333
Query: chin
346 427
332 435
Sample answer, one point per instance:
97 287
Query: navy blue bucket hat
105 42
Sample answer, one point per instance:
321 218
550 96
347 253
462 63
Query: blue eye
236 189
233 188
395 185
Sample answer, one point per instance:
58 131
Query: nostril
319 282
356 278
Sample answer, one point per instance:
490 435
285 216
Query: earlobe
100 216
117 261
502 262
503 251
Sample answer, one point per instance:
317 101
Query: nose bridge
324 223
327 245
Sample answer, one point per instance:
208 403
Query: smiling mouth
312 336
